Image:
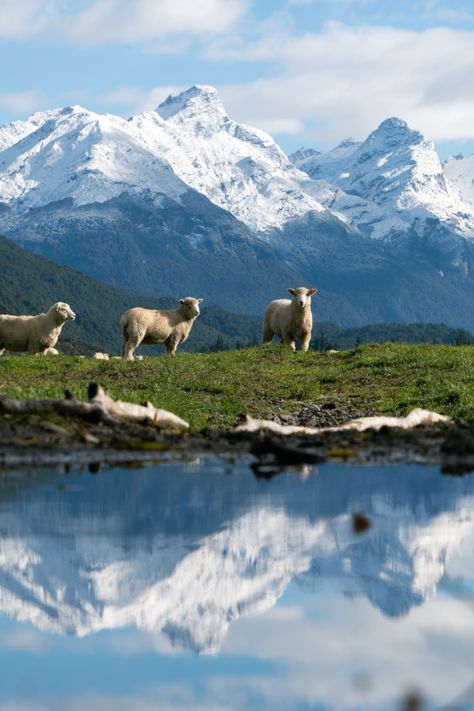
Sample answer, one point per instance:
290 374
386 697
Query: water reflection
270 573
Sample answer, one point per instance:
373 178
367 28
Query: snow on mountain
391 183
13 132
237 167
384 185
78 154
329 166
75 153
459 171
126 201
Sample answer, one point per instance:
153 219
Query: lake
194 585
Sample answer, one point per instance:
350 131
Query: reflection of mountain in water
187 553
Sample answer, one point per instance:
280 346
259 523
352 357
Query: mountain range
185 199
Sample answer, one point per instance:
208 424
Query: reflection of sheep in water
170 327
290 320
35 334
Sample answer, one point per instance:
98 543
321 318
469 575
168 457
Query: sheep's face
302 296
190 306
64 312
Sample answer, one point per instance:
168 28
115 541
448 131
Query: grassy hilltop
214 389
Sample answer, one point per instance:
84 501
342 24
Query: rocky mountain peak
198 101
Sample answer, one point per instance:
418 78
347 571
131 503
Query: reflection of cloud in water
340 641
188 554
324 652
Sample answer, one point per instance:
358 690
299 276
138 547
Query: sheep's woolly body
34 334
289 319
171 327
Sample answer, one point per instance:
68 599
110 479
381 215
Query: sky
310 72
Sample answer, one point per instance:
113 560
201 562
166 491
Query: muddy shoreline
33 440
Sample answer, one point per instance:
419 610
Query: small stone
360 523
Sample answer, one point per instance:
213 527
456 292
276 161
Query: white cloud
23 102
126 21
26 18
119 21
345 80
24 639
322 656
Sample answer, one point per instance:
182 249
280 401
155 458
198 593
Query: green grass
214 389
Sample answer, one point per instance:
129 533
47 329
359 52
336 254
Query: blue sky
308 71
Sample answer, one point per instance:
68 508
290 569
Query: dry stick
130 411
101 408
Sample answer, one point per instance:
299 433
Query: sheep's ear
200 301
312 292
291 291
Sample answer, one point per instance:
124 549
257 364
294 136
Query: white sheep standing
35 334
171 327
290 319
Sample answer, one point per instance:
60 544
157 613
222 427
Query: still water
196 586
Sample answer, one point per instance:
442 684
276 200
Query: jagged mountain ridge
188 141
171 553
390 184
184 194
239 168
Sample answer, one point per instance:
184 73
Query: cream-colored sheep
35 334
170 327
290 319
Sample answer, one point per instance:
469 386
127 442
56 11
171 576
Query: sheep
170 327
35 334
290 319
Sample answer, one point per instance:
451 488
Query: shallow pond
197 586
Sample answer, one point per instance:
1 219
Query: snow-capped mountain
173 553
184 195
237 167
459 171
390 184
91 158
15 131
92 192
79 155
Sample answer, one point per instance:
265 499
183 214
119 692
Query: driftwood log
413 419
129 411
100 408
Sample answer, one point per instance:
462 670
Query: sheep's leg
267 334
289 340
2 351
305 341
171 345
132 339
129 346
129 349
